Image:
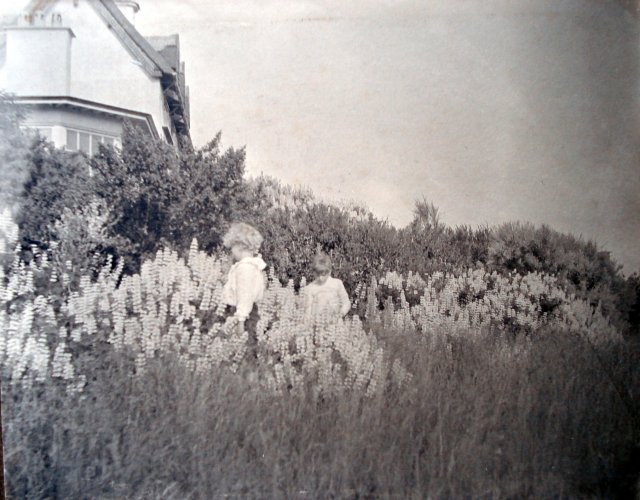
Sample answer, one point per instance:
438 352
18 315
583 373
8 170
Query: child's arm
345 302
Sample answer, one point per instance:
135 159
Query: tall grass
484 416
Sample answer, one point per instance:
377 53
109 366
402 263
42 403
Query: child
325 295
245 283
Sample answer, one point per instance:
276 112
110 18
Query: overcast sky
495 110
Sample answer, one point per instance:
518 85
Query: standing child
325 295
245 283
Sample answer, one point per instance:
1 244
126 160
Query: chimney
129 8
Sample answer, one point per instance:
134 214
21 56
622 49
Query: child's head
243 240
322 264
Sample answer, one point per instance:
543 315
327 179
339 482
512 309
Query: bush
159 197
296 226
57 180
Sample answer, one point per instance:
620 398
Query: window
72 140
87 142
85 146
96 140
167 135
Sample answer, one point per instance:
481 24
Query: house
81 69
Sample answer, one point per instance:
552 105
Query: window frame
94 140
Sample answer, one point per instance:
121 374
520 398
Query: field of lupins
172 307
173 304
437 386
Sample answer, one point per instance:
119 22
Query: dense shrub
357 242
363 246
579 265
161 197
147 194
57 180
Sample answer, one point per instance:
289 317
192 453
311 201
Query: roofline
114 12
148 65
128 32
91 106
108 10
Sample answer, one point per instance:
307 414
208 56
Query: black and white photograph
320 249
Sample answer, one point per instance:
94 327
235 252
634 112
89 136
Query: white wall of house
29 50
100 68
103 70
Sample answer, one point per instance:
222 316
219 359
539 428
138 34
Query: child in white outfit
245 283
325 295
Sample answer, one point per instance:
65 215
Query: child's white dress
330 299
245 286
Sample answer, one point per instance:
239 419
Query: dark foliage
160 197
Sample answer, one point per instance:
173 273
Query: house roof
117 16
126 32
168 47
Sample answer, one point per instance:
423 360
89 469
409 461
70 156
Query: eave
91 106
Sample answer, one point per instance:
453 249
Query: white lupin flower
160 310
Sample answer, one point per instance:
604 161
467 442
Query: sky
494 110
